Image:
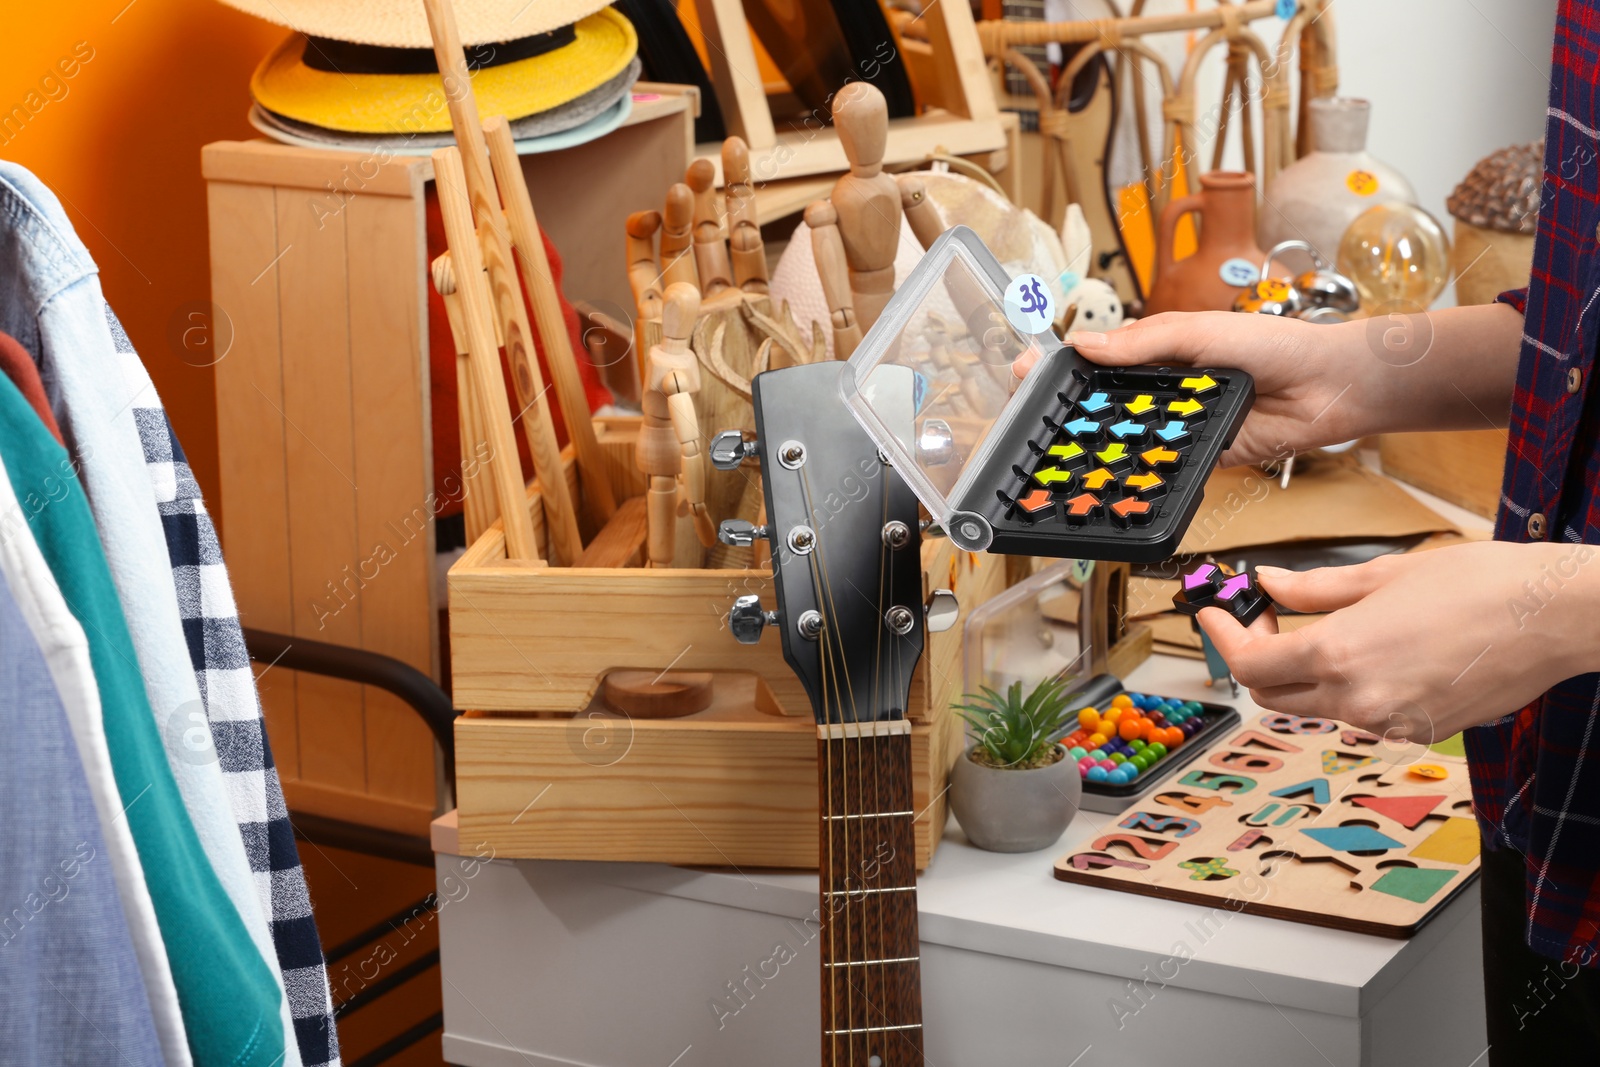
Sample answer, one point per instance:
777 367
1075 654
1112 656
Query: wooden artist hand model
693 250
669 440
856 231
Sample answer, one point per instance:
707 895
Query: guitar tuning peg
729 449
739 533
941 611
746 619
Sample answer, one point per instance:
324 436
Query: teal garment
229 999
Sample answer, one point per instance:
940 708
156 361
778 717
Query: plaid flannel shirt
233 711
1536 774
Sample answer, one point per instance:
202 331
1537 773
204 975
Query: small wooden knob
861 115
444 274
677 317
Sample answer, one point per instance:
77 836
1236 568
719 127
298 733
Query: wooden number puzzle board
1300 819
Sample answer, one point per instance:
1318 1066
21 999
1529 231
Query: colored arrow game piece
1068 450
1094 402
1203 384
1173 433
1186 408
1131 512
1098 479
1144 485
1234 588
1114 455
1238 594
1082 427
1126 429
1081 507
1052 476
1037 500
1140 404
1159 457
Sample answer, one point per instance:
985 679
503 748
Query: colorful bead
1097 774
1158 747
1088 717
1121 700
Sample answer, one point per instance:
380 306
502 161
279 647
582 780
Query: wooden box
319 315
1465 467
734 785
545 771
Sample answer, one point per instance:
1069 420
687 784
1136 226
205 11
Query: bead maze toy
1302 819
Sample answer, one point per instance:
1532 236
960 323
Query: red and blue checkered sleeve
1517 298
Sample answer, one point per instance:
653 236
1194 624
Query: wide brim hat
404 23
325 93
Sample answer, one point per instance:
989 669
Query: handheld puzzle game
1084 461
1302 819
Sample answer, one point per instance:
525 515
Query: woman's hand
1420 646
1320 384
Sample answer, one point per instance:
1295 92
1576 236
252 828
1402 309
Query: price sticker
1030 306
1240 273
1361 182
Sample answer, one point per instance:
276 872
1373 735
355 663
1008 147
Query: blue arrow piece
1127 428
1082 426
1173 431
1095 402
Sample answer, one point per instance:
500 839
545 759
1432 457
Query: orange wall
119 143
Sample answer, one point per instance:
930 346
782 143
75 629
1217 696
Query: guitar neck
871 967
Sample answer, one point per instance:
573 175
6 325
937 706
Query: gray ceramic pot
1014 811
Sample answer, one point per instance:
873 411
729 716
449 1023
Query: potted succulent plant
1015 789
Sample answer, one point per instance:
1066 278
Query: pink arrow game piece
1235 586
1199 578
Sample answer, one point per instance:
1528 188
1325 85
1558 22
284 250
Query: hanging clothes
66 652
69 978
232 1006
228 690
53 305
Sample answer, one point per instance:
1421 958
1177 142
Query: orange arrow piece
1035 501
1143 483
1128 507
1082 505
1098 479
1159 457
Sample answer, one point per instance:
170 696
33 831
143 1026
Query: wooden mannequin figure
669 439
856 231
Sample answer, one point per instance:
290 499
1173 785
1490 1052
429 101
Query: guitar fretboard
871 984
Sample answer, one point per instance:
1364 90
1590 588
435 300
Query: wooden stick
483 356
560 519
996 35
478 503
547 316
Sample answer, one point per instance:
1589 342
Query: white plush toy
1099 308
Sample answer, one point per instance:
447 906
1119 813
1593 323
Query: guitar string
885 578
823 589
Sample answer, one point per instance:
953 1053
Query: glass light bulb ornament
1398 256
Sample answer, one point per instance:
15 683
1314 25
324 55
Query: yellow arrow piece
1155 456
1112 452
1200 384
1142 481
1185 408
1140 404
1070 450
1099 479
1052 475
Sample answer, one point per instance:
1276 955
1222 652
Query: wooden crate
537 638
1464 467
732 785
318 271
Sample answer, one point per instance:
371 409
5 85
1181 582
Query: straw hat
345 83
404 24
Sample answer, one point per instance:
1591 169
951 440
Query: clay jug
1226 210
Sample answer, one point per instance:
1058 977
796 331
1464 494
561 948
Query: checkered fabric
228 691
1536 774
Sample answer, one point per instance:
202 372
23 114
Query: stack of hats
363 75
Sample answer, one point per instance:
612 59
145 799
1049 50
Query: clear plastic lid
942 351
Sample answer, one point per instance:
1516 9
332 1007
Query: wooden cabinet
319 267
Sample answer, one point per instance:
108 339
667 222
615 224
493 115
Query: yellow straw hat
404 23
325 92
